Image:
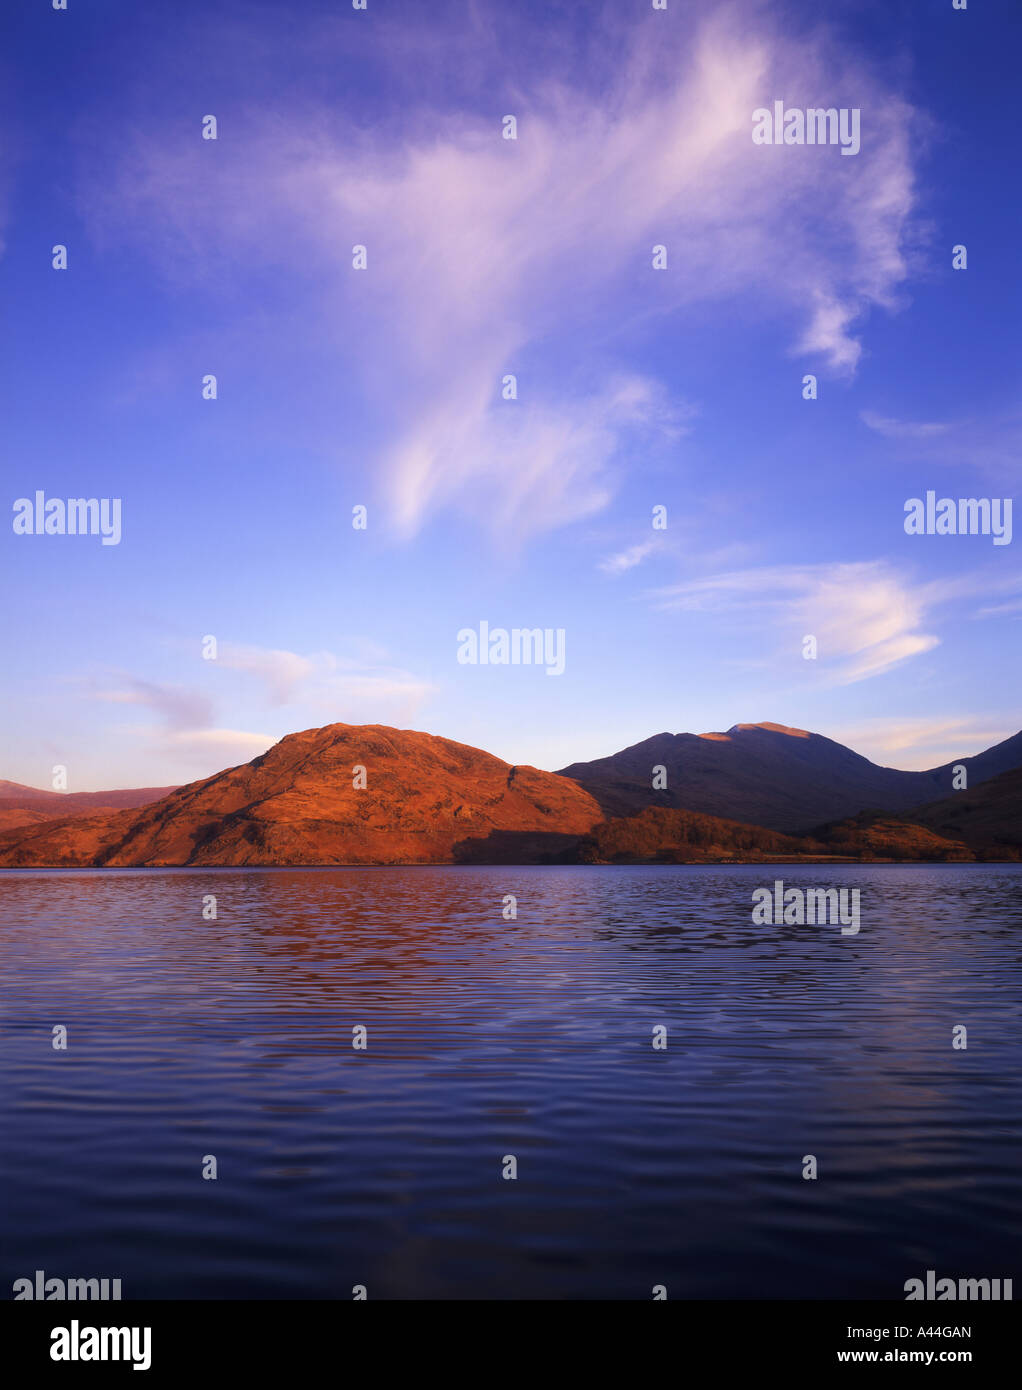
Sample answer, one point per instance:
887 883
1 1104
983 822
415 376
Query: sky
637 388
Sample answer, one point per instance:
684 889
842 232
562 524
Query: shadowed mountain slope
785 779
985 816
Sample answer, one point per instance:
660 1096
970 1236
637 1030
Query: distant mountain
429 800
984 822
785 779
426 800
20 805
988 816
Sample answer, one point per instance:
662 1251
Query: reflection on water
489 1037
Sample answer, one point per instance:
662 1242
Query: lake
488 1039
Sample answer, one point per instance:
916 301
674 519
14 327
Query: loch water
488 1038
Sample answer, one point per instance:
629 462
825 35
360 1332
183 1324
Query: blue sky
636 387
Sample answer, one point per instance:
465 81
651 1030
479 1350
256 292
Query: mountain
984 822
20 805
788 780
426 800
988 816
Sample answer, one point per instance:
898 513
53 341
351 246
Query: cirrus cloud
533 256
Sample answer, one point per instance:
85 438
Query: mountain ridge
784 779
21 805
372 794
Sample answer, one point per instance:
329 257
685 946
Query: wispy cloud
340 689
625 560
186 731
320 687
179 707
280 671
1000 610
866 617
901 429
525 466
219 746
489 257
917 744
990 444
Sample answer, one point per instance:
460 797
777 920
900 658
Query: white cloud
489 256
179 707
280 671
998 610
525 465
363 688
990 444
901 429
201 745
918 744
865 616
627 559
337 689
235 738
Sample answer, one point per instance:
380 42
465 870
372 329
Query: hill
426 800
785 779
